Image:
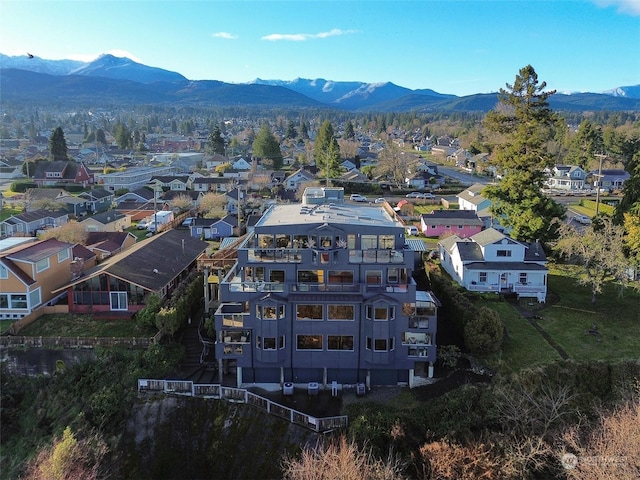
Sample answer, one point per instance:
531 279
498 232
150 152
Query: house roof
37 251
473 194
96 194
96 238
153 263
106 217
80 251
457 217
45 193
489 236
35 215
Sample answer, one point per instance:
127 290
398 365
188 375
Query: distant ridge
114 80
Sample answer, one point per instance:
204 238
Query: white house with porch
491 261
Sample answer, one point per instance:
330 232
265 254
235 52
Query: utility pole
601 157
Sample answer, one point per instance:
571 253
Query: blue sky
453 46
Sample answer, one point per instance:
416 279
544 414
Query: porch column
238 377
411 375
430 374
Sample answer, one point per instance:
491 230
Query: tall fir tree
267 147
326 151
215 142
58 145
523 124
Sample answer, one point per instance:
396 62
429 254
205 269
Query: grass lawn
570 315
70 325
4 325
523 345
9 210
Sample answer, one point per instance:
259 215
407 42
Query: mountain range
110 80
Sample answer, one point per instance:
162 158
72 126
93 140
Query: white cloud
301 37
631 7
225 35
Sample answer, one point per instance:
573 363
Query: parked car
582 219
143 224
414 195
428 195
380 200
356 197
413 230
188 221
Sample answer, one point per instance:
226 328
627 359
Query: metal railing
241 395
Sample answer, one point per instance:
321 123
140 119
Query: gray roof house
322 291
490 261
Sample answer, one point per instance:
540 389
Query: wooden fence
240 395
75 342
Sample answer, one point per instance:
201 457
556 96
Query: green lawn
70 325
570 315
523 345
9 210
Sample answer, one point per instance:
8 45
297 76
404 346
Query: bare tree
598 250
341 459
71 232
610 451
182 202
212 205
395 164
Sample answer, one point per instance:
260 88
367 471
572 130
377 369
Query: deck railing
241 395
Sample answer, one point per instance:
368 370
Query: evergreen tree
58 145
215 143
524 123
123 136
101 137
267 147
304 130
349 132
291 131
326 151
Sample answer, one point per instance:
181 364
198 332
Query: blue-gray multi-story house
323 292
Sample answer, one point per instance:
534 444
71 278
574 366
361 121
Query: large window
18 301
269 343
340 277
118 300
63 255
373 277
380 313
42 264
386 242
340 342
341 312
311 276
368 242
276 276
380 345
34 298
309 342
4 273
266 312
503 253
309 312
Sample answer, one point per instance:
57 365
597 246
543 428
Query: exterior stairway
199 364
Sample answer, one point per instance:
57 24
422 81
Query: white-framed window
482 278
4 272
118 300
42 265
64 255
503 253
309 342
340 342
341 312
523 277
34 298
18 301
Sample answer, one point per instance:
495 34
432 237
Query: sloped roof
106 217
457 217
153 263
37 251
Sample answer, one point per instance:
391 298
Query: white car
380 200
188 221
356 197
583 219
142 224
414 195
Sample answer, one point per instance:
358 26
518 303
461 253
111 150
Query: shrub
448 355
484 331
